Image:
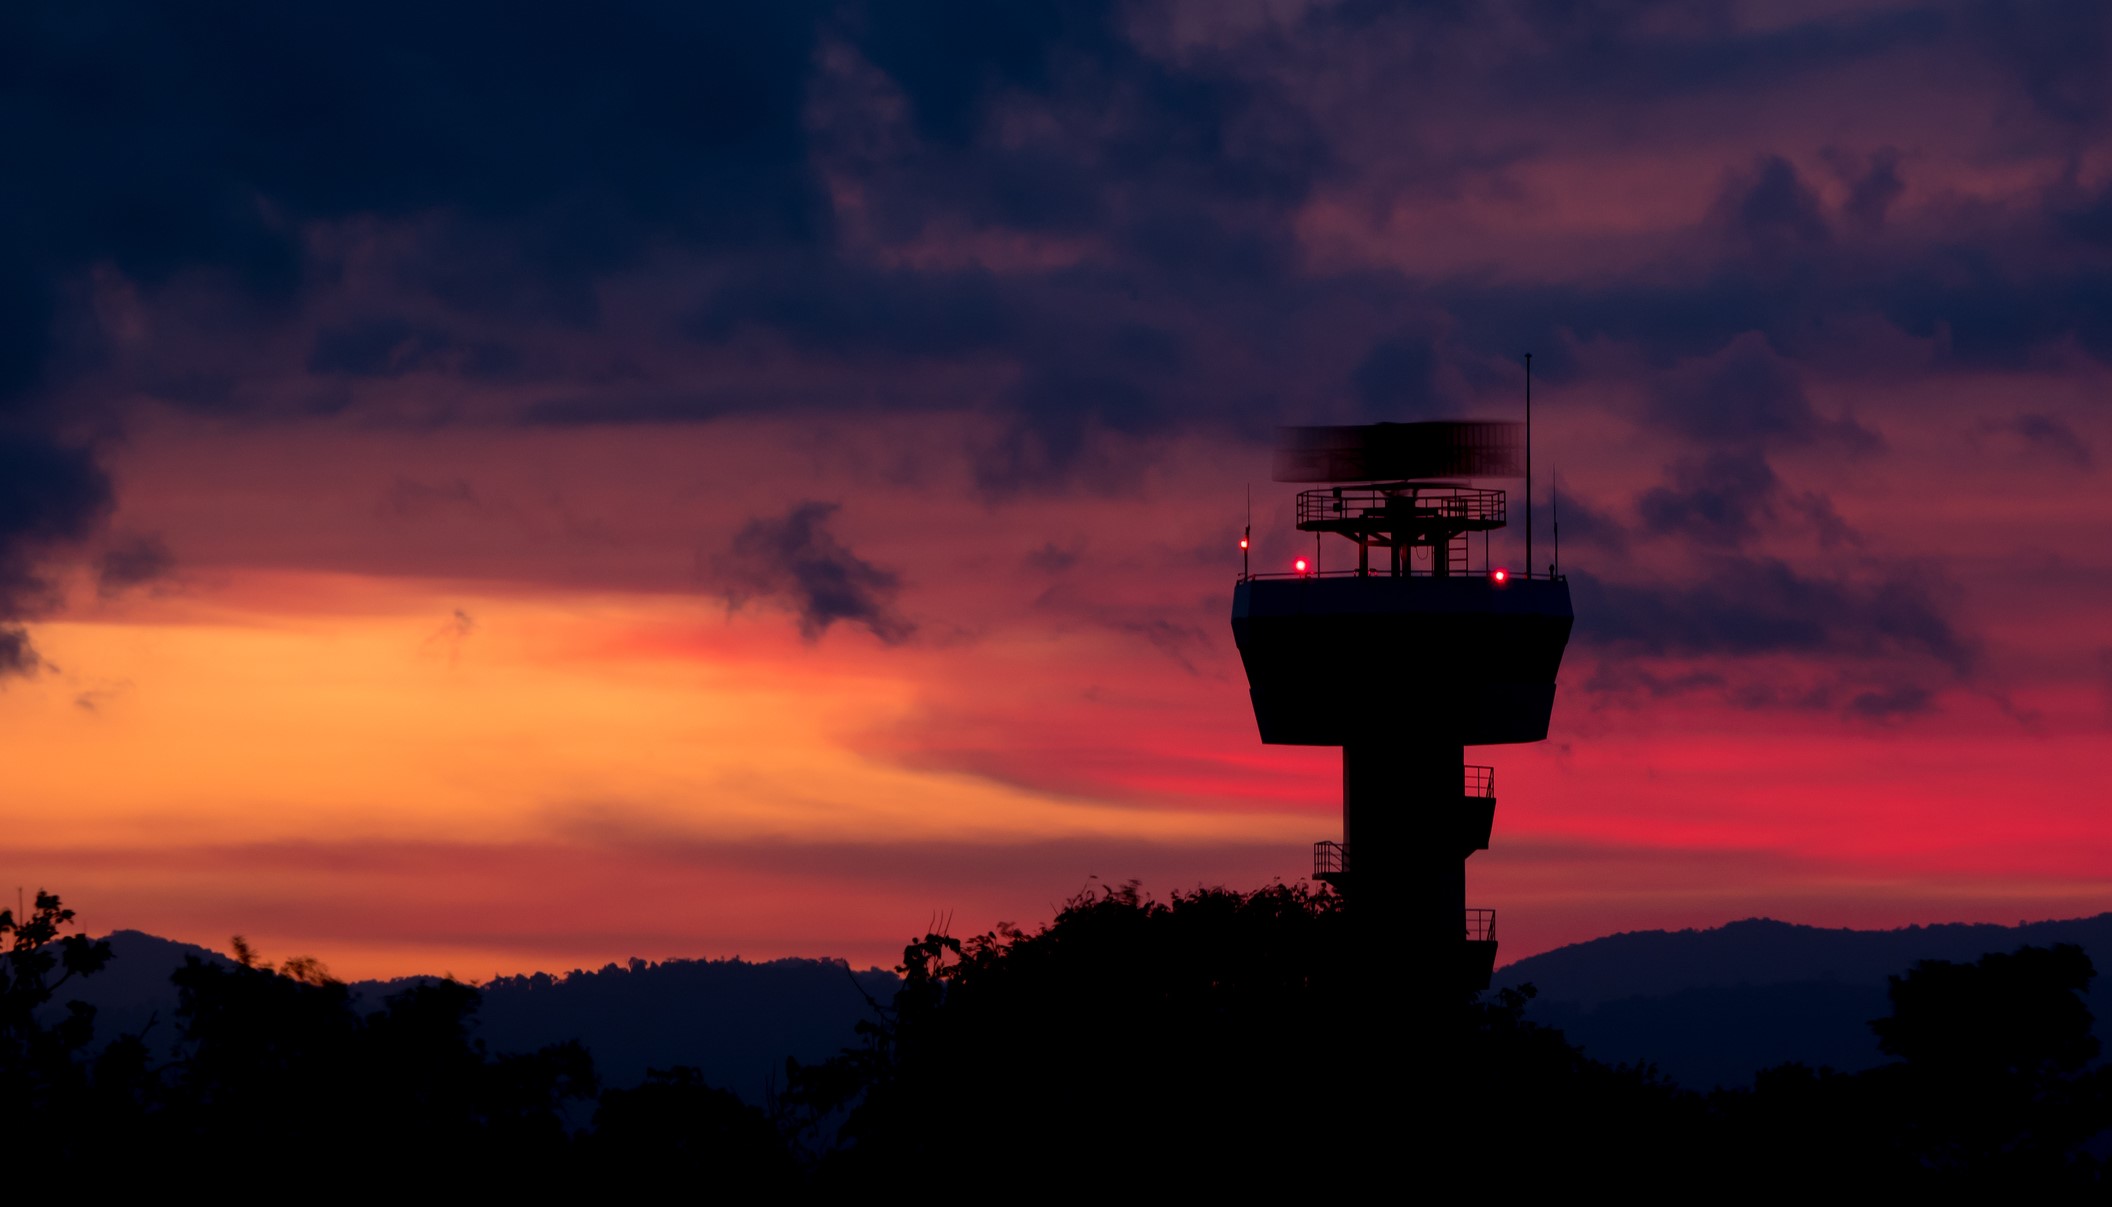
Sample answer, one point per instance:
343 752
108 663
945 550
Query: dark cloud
1083 362
1558 54
951 60
1197 129
1745 392
133 561
519 158
411 499
595 409
1617 677
1400 378
2085 216
2055 51
795 561
1993 313
1987 284
1769 210
1174 183
1183 644
2044 436
1121 380
1978 297
1578 519
527 149
51 495
1628 683
1817 511
1893 703
539 152
542 149
2104 677
847 311
92 700
1874 183
449 637
393 347
18 658
1739 606
527 155
1058 414
1052 558
1722 501
1728 498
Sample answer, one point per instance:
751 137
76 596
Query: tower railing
1481 925
1385 508
1480 781
1510 575
1330 859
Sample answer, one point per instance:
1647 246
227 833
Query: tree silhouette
1215 1042
43 1085
1993 1091
1126 1034
35 948
284 1058
1995 1081
675 1120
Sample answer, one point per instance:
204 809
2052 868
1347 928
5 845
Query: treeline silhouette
1215 1041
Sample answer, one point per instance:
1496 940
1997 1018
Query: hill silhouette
1713 1006
1215 1041
133 994
734 1021
1708 1006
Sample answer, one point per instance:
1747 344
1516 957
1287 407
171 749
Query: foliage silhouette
1993 1091
1214 1042
283 1058
1258 1042
676 1121
43 1085
1995 1081
1128 1033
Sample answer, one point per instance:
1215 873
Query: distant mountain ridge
733 1020
1708 1006
1712 1007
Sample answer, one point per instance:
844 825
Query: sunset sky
486 487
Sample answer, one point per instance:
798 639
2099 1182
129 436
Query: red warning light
1242 542
1501 576
1299 565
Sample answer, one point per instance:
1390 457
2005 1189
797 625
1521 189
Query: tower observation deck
1414 652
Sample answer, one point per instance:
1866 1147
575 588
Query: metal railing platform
1393 511
1330 861
1481 926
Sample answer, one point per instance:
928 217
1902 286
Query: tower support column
1400 823
1407 893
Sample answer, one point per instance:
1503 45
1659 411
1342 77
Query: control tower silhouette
1403 659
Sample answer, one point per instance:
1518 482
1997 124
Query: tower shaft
1400 807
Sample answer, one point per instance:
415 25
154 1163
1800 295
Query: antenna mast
1554 485
1528 465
